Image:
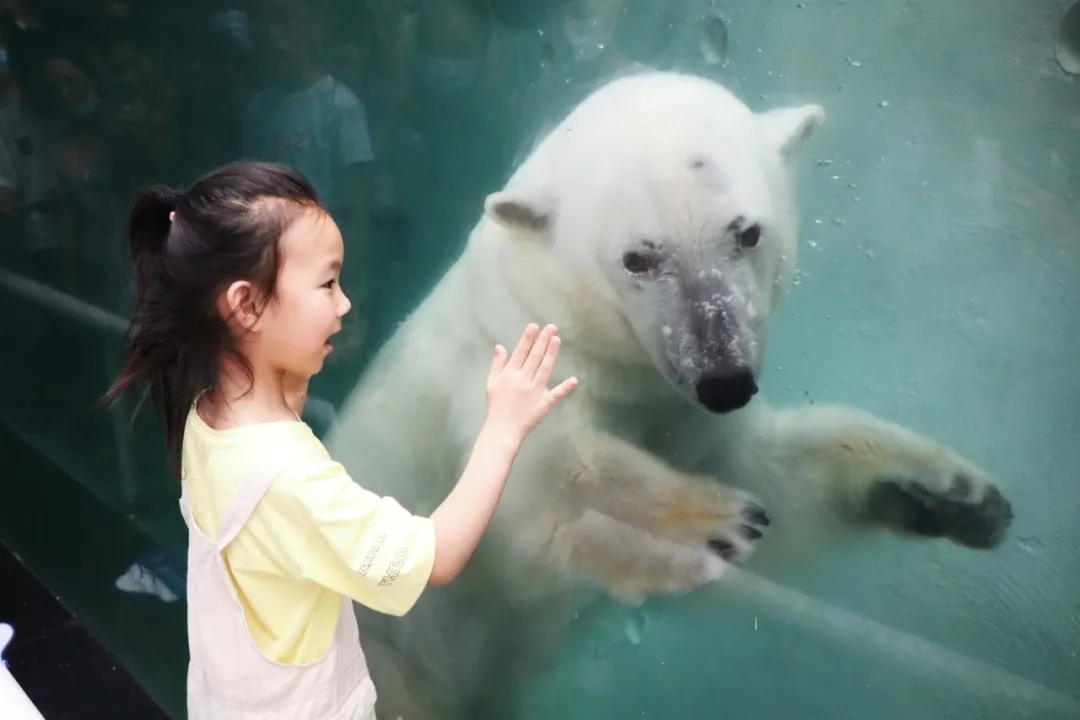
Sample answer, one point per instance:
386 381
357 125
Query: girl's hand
517 391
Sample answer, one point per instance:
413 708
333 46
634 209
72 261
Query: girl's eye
329 285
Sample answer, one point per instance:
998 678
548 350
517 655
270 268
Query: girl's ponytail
148 230
152 346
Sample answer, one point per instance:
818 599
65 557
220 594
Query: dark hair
186 248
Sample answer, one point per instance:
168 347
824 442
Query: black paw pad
910 507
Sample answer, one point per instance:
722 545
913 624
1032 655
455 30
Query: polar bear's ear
788 128
519 212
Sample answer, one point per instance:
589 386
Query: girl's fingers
547 365
564 388
539 350
528 338
498 363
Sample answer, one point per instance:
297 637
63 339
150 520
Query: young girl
238 300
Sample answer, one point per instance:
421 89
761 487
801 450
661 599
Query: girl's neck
241 399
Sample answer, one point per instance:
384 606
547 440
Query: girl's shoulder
217 462
252 443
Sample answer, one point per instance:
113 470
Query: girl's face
293 332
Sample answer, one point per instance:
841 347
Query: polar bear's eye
637 263
749 237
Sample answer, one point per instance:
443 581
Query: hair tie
174 199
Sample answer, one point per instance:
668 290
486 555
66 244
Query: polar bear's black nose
725 392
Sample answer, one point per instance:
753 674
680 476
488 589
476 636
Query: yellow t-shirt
302 547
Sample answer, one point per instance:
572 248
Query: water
936 288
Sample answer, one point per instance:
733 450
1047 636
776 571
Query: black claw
750 532
722 547
756 514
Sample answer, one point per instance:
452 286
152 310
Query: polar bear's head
656 224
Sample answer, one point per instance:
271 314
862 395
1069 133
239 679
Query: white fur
623 485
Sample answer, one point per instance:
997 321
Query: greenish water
940 238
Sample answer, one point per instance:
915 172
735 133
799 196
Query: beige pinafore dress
228 677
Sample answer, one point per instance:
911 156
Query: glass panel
938 253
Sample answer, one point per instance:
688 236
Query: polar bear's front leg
630 563
636 524
885 474
624 482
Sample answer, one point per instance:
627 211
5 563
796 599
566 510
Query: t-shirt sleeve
349 539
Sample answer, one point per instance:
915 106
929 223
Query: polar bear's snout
727 391
712 332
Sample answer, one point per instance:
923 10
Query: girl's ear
240 306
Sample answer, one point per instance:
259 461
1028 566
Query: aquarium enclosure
936 287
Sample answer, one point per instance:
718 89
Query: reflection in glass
934 289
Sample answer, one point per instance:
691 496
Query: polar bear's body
656 227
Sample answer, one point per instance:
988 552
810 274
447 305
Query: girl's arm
518 399
462 517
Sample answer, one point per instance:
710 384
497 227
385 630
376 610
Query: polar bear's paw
728 522
734 541
959 504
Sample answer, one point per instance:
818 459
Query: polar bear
656 228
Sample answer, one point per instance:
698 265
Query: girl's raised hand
517 386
